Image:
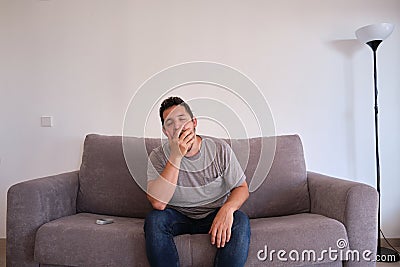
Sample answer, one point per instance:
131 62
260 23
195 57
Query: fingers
220 236
186 135
213 232
221 228
189 139
184 141
228 234
181 140
182 135
221 239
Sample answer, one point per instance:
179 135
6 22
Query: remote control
104 221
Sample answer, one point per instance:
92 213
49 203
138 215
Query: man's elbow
245 189
247 194
157 205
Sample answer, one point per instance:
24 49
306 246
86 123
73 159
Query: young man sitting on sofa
196 186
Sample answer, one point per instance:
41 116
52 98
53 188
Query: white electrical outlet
46 121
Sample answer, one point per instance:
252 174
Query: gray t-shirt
205 179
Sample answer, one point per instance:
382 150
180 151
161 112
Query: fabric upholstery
300 232
107 168
31 204
341 200
77 241
284 190
51 220
105 183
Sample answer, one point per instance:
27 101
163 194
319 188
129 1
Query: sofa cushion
300 232
106 185
77 241
284 190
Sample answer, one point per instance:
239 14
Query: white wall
81 62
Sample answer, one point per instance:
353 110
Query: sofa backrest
106 185
284 190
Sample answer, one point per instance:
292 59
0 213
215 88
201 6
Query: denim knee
241 222
155 221
241 218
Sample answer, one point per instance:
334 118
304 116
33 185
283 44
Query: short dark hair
173 101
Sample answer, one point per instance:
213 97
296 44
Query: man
196 186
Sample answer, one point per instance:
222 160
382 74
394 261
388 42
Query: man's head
176 114
171 102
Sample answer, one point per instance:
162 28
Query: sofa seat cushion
77 241
300 232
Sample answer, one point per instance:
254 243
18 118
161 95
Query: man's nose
178 125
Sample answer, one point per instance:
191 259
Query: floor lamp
373 35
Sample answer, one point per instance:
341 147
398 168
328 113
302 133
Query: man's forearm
237 197
220 230
161 190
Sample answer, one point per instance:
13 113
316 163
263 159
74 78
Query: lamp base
388 255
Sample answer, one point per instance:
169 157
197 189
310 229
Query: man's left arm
221 228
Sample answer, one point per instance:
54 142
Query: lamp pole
374 46
373 35
380 250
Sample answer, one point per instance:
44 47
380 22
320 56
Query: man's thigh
168 221
203 226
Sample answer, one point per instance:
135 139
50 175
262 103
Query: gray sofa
51 220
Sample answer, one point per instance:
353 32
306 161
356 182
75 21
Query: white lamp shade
379 31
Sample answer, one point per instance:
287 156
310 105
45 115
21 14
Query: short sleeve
155 166
233 173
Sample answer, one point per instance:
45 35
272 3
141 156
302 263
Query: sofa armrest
352 203
31 204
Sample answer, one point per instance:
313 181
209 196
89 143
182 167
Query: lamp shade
373 32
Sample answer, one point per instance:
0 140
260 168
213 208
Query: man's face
176 118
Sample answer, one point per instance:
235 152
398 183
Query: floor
2 252
3 257
382 264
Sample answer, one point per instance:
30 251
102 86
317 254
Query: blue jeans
162 225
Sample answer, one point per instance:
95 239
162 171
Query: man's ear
194 122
